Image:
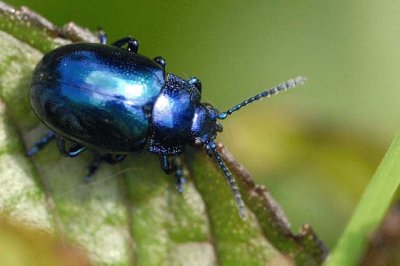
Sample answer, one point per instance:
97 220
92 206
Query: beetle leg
102 36
179 173
166 164
176 166
133 44
40 144
113 159
98 159
72 152
93 167
161 61
195 82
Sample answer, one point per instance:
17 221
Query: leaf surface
129 213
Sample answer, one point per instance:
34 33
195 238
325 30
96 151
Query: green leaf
17 247
130 212
370 210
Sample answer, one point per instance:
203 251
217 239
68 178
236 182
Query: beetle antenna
291 83
231 181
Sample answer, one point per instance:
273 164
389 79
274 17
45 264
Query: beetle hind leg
40 144
72 152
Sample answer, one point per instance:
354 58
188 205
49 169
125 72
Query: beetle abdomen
99 96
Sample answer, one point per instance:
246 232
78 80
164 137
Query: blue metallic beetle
114 101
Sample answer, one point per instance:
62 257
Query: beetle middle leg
94 165
101 34
98 159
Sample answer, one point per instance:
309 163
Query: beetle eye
195 82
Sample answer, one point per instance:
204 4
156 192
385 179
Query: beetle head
204 125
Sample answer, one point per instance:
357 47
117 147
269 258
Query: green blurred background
315 147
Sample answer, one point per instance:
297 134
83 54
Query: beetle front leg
72 152
179 173
133 44
166 164
175 166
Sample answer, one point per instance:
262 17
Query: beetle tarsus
166 165
102 36
161 61
40 144
174 165
179 174
93 168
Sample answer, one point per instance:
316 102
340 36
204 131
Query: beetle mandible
114 101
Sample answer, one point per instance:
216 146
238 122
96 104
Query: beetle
115 102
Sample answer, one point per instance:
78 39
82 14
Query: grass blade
371 209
